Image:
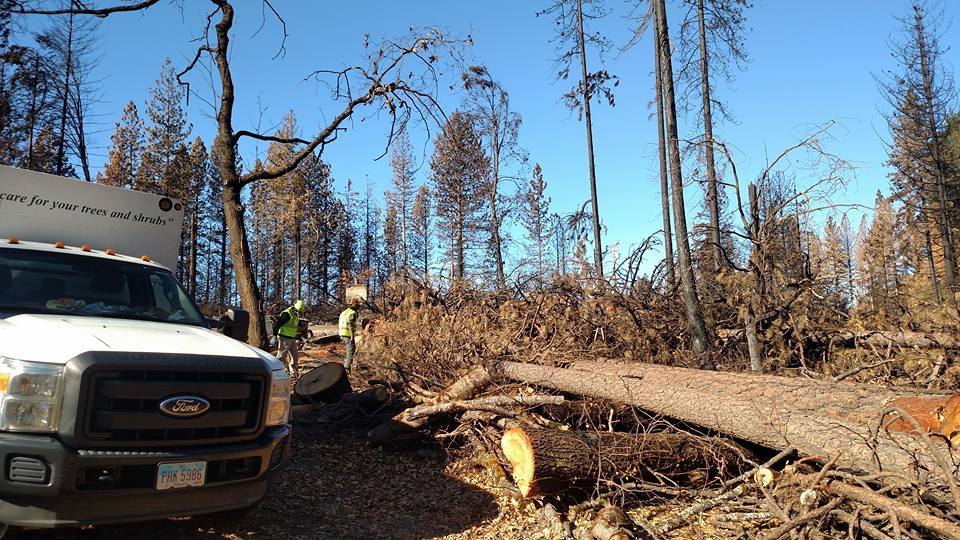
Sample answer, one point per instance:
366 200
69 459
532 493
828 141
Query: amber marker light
58 245
145 258
85 248
13 240
110 251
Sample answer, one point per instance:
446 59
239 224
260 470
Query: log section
545 461
817 418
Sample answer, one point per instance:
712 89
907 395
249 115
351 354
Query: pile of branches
437 335
770 501
602 467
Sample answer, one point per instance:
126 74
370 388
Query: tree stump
326 383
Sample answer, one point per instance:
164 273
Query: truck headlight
278 411
31 395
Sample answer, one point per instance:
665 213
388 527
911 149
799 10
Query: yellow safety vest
347 319
289 328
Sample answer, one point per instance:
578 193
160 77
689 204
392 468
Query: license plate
181 475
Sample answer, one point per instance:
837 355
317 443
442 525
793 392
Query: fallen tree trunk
920 340
545 461
464 388
861 403
818 418
868 338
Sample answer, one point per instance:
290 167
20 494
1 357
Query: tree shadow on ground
334 487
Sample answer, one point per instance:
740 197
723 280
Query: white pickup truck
117 400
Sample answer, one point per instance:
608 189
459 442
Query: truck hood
57 338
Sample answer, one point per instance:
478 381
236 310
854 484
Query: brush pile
567 399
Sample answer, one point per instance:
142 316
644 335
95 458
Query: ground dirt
335 486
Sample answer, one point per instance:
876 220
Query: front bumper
112 486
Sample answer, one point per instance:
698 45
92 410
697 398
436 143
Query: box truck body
117 401
47 208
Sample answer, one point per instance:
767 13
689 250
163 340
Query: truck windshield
61 283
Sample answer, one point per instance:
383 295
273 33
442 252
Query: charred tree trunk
459 258
495 240
494 188
936 148
222 285
232 203
697 326
192 262
597 244
934 282
664 181
297 265
545 461
326 383
754 347
818 418
713 197
64 111
34 111
79 128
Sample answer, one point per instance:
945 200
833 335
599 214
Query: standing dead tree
71 44
572 40
499 125
698 327
398 79
920 94
711 42
662 155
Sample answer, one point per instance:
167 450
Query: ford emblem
184 406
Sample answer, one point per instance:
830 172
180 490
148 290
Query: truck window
62 283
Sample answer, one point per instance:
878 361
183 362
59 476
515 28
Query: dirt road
334 487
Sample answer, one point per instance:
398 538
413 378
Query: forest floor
335 486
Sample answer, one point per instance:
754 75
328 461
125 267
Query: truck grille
124 406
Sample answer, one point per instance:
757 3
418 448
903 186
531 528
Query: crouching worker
348 331
287 325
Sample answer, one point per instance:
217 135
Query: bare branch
102 12
283 23
268 138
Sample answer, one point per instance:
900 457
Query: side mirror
214 324
236 324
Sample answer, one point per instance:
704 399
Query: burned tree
458 168
919 93
571 17
499 126
662 155
695 322
711 42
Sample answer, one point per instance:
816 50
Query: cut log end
936 415
519 452
326 383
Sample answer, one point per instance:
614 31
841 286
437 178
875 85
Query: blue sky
810 62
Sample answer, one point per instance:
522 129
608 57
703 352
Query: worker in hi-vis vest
348 331
287 325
